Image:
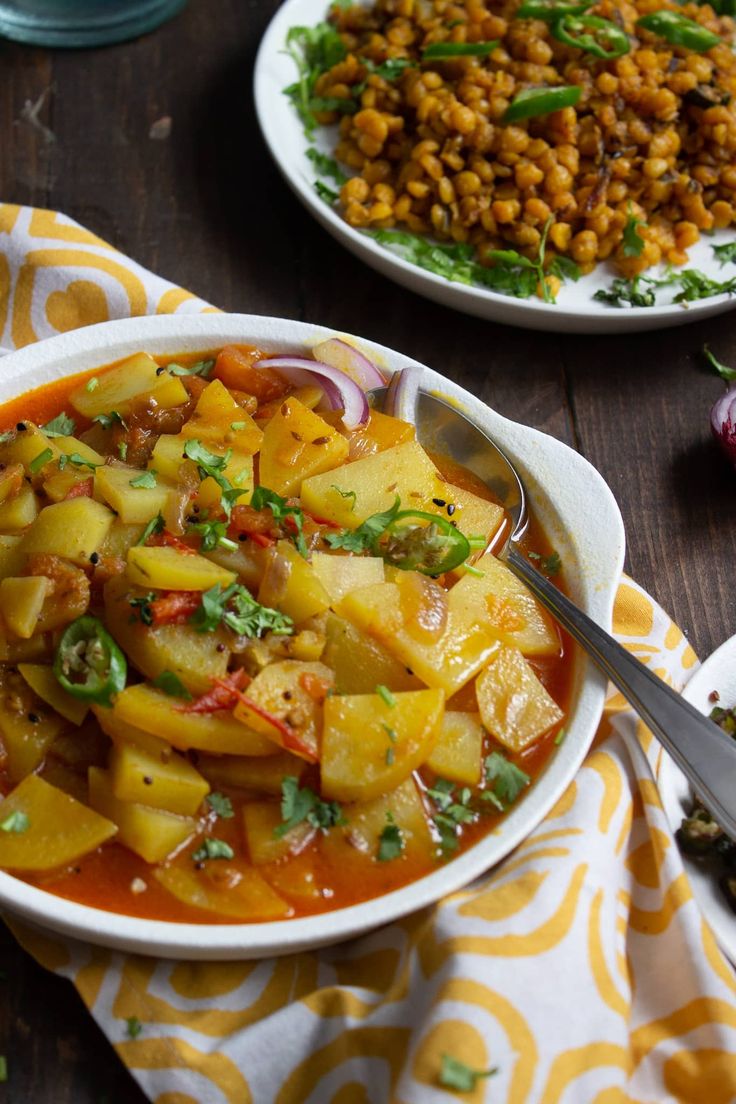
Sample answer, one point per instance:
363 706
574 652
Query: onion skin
723 423
402 395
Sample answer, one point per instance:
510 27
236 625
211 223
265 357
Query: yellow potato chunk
21 602
192 656
341 574
283 709
172 784
151 833
58 484
73 530
168 457
133 505
297 443
245 896
11 480
152 711
44 682
360 663
26 447
404 470
242 772
10 559
260 821
291 585
60 829
448 662
369 747
18 512
514 705
218 420
71 445
402 807
120 538
169 569
28 727
122 733
508 607
459 748
116 387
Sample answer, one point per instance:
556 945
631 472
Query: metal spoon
703 752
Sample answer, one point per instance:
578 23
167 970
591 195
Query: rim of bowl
558 480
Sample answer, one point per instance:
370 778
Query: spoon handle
703 752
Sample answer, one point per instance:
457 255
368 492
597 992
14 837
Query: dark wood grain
207 209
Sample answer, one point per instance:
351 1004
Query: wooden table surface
207 209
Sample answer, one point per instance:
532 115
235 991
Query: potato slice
360 663
172 784
242 772
18 512
260 821
73 530
366 821
514 705
283 709
341 574
297 443
170 569
10 559
21 602
60 829
134 505
508 607
457 753
43 681
114 388
26 447
152 711
369 747
404 470
219 420
246 895
28 727
71 445
291 585
151 833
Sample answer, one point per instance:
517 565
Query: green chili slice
551 9
436 51
89 664
599 37
540 101
679 30
432 548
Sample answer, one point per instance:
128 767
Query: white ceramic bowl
576 311
578 513
718 672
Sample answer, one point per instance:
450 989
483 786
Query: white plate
590 541
576 311
717 673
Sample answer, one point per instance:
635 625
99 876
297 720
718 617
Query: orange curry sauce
311 882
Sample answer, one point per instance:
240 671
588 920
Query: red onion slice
723 422
341 392
338 354
402 394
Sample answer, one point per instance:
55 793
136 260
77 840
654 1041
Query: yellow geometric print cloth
581 967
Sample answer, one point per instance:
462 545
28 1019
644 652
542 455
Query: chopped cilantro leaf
559 737
364 537
107 421
77 459
723 370
213 849
291 517
326 166
143 604
15 822
123 450
390 842
313 50
236 608
633 243
60 426
345 494
92 385
725 253
172 685
299 803
145 481
325 193
505 778
460 1077
40 461
3 1069
221 805
201 368
155 525
385 695
133 1027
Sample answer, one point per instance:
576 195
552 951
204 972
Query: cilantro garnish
92 385
505 779
345 494
201 368
641 291
236 608
220 805
385 695
143 604
60 426
725 253
213 849
15 822
40 461
146 481
633 243
453 810
155 525
3 1069
133 1027
551 565
314 50
723 370
326 166
77 459
559 737
281 510
211 464
364 537
171 684
299 803
327 194
391 841
123 450
460 1077
214 535
107 421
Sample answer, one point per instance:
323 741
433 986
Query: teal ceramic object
82 22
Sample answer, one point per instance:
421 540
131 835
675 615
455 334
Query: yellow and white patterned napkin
580 967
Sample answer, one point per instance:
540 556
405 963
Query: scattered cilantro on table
460 1077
